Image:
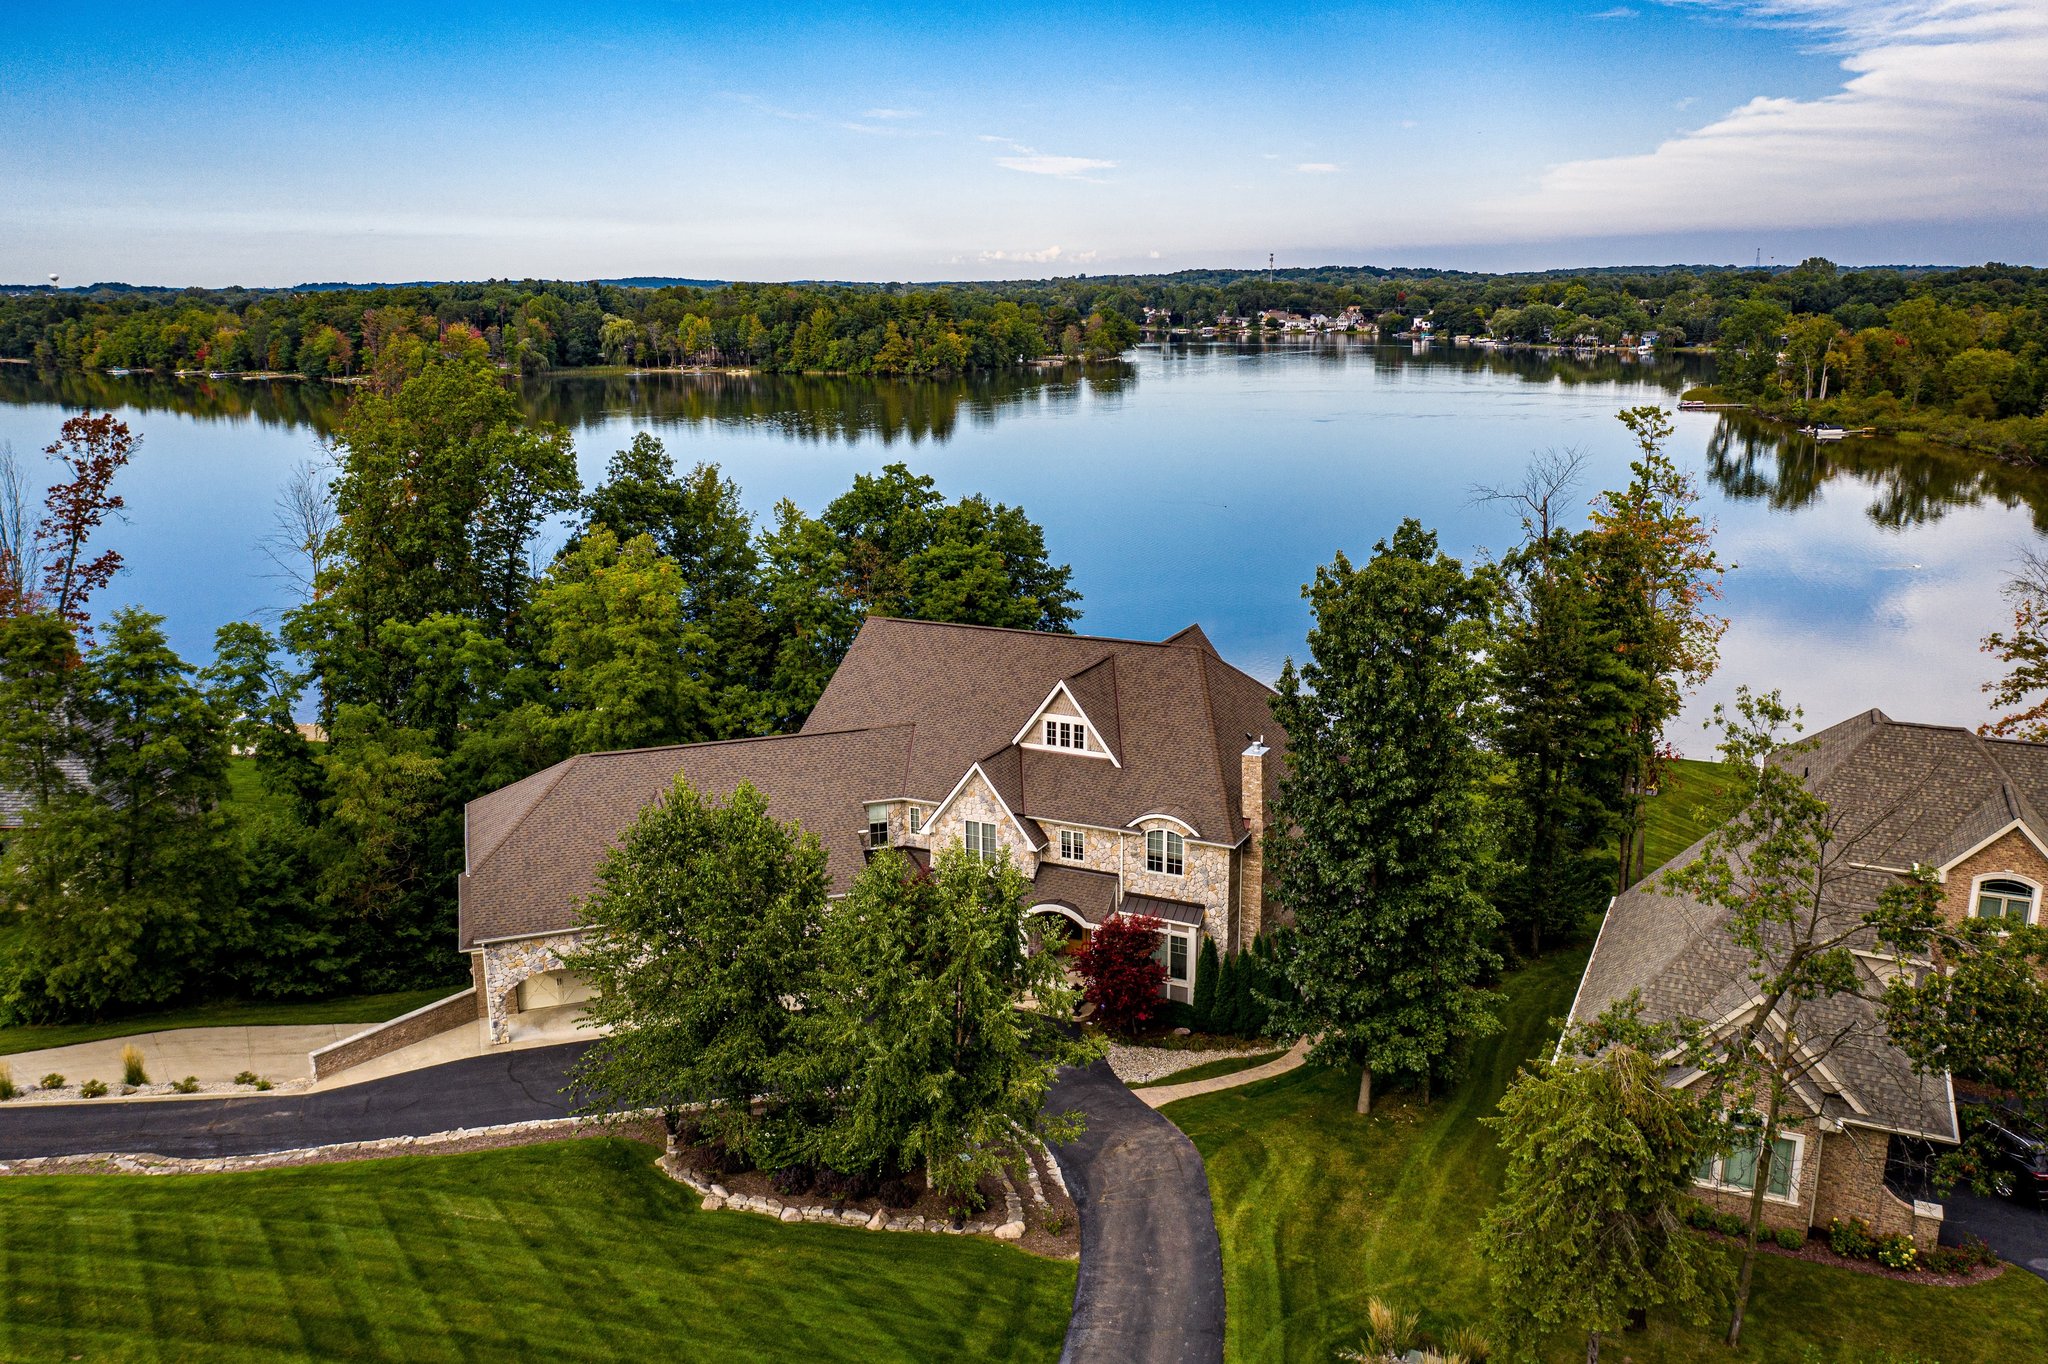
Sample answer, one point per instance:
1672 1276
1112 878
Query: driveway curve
1151 1285
479 1091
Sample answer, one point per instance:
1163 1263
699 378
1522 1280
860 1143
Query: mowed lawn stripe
572 1250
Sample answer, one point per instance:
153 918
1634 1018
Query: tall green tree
125 870
442 488
1379 846
1654 560
920 1029
708 918
1600 1154
695 519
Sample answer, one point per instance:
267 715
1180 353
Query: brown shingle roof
1181 715
1899 795
543 838
1090 894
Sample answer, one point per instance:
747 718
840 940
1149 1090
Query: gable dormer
1078 716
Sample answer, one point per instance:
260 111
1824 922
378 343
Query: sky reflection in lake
1201 484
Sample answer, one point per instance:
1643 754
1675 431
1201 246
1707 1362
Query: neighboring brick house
1120 776
1901 797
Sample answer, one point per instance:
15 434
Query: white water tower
53 281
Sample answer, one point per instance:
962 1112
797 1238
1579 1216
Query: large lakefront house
1121 777
1901 797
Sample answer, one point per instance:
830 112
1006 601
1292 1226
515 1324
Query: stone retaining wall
428 1021
716 1196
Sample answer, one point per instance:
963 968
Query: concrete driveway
1151 1286
210 1055
2017 1232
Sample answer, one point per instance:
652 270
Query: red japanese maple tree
1121 972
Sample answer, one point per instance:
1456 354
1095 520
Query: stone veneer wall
980 803
506 964
2014 853
1852 1185
1205 880
429 1021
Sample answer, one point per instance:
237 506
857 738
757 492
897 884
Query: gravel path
1136 1065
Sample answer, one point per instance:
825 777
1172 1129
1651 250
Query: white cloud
1316 167
1686 103
1942 101
1031 161
893 113
1618 12
1044 257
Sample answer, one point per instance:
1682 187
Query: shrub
1729 1224
897 1192
1388 1329
1850 1236
262 1083
1699 1215
1949 1260
93 1089
1206 967
188 1085
1896 1252
1472 1343
1056 1223
1979 1251
1789 1238
1122 974
7 1089
793 1180
53 1081
132 1072
247 1077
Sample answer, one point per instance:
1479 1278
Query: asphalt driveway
480 1091
1151 1286
2017 1232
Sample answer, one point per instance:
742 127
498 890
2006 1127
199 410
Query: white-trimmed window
878 826
1176 952
980 839
916 819
2003 897
1737 1169
1072 848
1165 852
1066 734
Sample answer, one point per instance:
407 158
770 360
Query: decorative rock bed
1136 1065
717 1196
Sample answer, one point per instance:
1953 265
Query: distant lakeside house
1121 777
1902 797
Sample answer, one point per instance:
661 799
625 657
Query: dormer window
878 826
1066 734
2002 897
1165 852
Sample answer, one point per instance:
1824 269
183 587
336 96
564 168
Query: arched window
2002 897
1165 852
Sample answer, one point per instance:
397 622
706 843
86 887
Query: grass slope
1686 806
351 1009
1320 1209
568 1251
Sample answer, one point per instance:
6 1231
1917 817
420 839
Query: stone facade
1206 878
429 1021
976 801
507 964
1251 859
2014 854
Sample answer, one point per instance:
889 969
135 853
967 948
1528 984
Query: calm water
1196 484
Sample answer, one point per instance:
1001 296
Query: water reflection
269 402
1914 484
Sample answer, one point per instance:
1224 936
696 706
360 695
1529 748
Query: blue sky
270 145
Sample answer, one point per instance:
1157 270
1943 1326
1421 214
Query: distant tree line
534 327
184 839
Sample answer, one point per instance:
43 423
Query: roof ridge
745 739
560 769
1045 634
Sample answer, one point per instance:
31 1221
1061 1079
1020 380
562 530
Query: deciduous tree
1121 972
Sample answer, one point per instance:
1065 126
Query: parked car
2022 1159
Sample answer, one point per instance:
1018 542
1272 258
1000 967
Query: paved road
2018 1233
477 1092
1151 1287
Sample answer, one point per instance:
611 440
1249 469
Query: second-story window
916 820
980 839
1071 849
878 826
1165 851
2002 898
1066 734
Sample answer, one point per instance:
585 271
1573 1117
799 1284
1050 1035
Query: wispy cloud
1042 257
1685 103
1031 161
893 113
762 106
1618 12
1316 167
1939 96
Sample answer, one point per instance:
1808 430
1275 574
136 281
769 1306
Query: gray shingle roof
1899 795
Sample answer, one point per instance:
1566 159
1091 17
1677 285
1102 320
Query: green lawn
1320 1209
364 1009
1685 807
1209 1070
573 1250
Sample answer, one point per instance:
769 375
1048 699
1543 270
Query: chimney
1252 865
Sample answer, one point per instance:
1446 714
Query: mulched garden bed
1819 1252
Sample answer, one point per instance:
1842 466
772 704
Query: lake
1194 483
